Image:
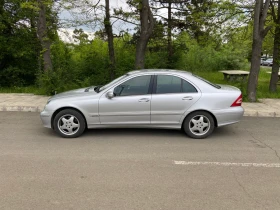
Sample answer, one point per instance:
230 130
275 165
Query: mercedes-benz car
168 99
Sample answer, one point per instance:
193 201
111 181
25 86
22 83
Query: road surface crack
268 146
245 191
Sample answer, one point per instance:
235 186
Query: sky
66 30
66 17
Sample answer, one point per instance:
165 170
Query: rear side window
188 88
171 84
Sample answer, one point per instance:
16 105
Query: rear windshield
210 83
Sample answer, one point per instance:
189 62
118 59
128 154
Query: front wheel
199 125
69 123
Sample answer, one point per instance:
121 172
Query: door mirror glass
110 95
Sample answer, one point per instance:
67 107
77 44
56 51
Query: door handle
187 98
144 100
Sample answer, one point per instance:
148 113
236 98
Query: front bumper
46 117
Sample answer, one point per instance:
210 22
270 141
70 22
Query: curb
261 114
249 113
20 109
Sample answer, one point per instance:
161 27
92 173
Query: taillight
237 102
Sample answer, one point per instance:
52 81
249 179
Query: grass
29 89
263 83
215 77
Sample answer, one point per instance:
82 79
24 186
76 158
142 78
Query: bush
206 58
52 82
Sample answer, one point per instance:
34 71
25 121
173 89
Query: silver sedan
168 99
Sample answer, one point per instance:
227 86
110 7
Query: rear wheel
199 125
69 123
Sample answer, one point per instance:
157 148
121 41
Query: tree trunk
109 32
147 26
169 35
254 70
260 13
276 54
37 48
42 33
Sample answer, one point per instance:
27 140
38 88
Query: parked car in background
146 99
262 60
268 62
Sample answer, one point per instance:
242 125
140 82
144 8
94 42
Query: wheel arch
63 108
201 110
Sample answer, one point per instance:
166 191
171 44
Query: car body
262 60
268 62
169 99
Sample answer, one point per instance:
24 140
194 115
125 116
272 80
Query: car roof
158 71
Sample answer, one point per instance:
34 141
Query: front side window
172 84
135 86
113 82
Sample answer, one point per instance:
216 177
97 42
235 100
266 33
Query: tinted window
188 88
172 84
168 84
136 86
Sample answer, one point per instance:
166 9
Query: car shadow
117 132
164 133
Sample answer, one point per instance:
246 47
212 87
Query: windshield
210 83
111 83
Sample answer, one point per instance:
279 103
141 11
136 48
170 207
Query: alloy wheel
199 125
68 124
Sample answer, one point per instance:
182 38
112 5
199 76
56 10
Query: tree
146 29
42 32
19 45
110 37
91 13
172 20
276 49
80 36
259 32
167 4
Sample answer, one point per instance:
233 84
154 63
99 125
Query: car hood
74 93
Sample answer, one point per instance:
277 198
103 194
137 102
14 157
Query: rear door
172 97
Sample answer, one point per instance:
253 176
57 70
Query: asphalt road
137 168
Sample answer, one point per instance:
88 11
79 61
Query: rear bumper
46 117
228 116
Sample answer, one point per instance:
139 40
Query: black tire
200 129
69 123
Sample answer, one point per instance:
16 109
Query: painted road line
264 165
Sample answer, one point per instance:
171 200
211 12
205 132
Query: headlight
47 104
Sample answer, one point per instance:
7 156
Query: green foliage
87 64
207 45
52 82
207 58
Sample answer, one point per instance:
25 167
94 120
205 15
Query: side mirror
110 95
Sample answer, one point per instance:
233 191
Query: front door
171 98
131 104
